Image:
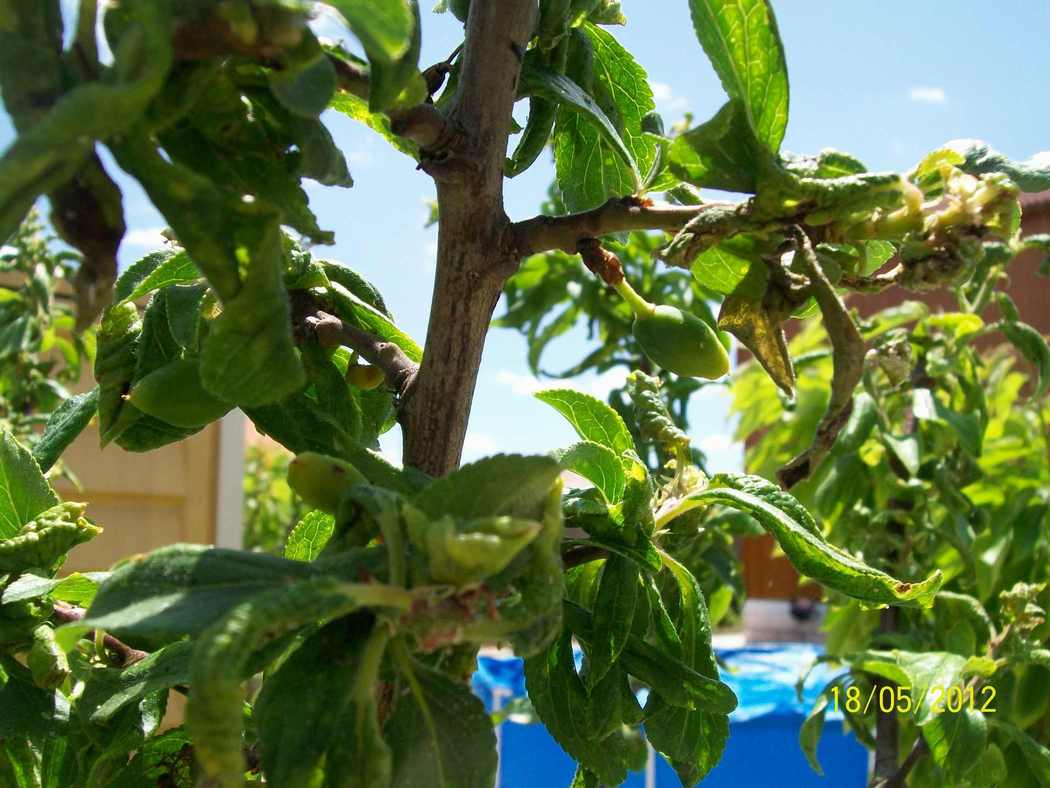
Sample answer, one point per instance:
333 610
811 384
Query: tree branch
400 370
474 250
128 656
547 233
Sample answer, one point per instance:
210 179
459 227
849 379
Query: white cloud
596 385
522 385
928 95
478 444
145 238
601 385
667 101
719 442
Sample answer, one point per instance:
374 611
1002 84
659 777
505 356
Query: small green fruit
174 394
364 376
681 343
321 480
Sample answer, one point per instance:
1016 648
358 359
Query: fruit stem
642 308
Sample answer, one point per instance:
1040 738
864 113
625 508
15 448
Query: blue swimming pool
763 742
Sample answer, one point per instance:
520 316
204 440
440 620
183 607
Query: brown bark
475 252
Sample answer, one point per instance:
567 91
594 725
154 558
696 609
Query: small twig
400 370
547 233
576 555
128 656
872 284
600 261
898 778
351 77
426 126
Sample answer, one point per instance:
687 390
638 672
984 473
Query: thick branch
475 252
547 233
127 655
400 370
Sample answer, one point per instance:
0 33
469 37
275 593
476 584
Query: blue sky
885 81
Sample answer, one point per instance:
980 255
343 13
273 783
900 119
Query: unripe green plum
174 394
678 341
681 342
321 480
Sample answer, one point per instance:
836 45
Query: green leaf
349 306
741 39
166 268
965 426
439 733
1033 346
643 554
222 658
249 355
589 168
539 81
180 590
306 81
108 690
64 424
953 737
383 28
724 267
506 484
667 674
813 726
1035 754
599 465
398 83
692 739
24 492
978 159
562 703
76 588
722 153
815 558
58 130
28 710
617 596
309 536
592 419
328 686
357 109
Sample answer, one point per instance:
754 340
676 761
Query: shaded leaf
64 424
506 484
439 733
722 153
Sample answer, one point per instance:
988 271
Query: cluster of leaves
634 601
944 464
40 354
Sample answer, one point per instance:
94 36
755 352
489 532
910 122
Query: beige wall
143 501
